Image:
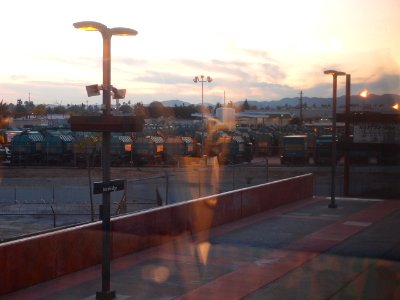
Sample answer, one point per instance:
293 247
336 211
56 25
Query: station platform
302 250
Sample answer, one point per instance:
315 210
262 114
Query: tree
126 109
76 110
184 112
59 110
139 110
40 110
19 110
29 106
245 106
156 110
4 112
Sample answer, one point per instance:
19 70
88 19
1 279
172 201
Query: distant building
51 120
256 118
251 118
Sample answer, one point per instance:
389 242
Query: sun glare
364 93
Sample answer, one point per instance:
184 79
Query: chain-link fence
27 209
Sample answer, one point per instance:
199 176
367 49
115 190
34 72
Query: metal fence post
233 177
199 183
166 187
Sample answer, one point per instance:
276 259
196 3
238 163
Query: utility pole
301 107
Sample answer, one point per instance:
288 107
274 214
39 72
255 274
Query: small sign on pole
108 186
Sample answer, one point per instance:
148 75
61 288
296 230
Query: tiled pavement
300 251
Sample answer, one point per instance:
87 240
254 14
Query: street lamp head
96 26
122 31
334 73
90 26
201 79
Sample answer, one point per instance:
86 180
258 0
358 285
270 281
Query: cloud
163 78
384 84
43 91
260 54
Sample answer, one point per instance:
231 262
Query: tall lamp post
106 33
334 74
202 80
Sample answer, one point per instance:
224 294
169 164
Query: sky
255 49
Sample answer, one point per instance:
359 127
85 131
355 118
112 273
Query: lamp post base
332 205
105 295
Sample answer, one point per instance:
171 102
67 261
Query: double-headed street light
334 74
106 33
202 80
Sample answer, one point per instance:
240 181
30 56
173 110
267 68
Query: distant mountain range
384 100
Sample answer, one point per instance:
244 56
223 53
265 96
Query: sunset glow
258 50
364 93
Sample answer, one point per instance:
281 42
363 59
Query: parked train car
148 150
27 148
121 150
233 150
263 143
176 147
323 150
294 149
57 148
358 154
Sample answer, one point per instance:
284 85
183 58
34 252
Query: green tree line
28 109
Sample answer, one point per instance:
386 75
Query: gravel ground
59 175
40 198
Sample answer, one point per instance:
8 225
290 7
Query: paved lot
301 251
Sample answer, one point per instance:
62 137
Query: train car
294 149
58 148
233 150
176 147
121 150
323 150
148 150
27 148
263 143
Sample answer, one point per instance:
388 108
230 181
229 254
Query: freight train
80 149
165 144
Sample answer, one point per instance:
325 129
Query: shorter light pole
301 107
202 80
334 74
346 169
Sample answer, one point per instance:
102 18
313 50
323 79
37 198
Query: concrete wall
28 261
